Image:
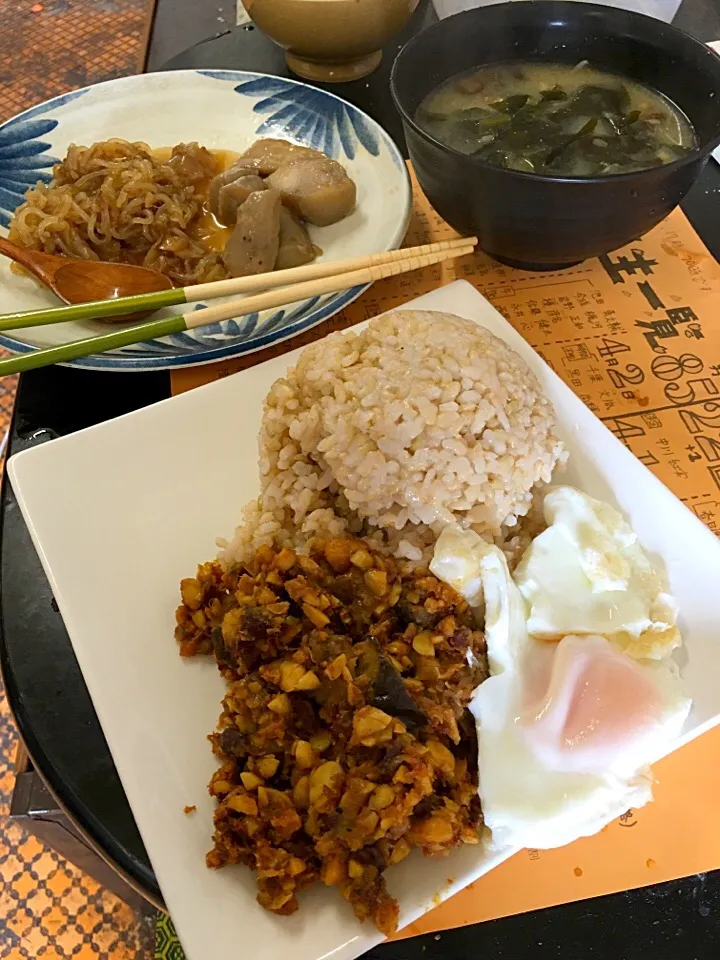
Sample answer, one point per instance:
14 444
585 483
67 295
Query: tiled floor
52 46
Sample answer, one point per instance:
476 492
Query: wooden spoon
83 281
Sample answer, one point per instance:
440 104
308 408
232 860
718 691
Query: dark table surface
674 921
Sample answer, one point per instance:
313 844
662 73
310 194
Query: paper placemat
636 335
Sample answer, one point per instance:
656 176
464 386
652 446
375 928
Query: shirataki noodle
119 202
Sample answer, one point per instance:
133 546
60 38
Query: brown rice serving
420 420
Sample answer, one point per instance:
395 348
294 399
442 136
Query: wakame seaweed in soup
556 120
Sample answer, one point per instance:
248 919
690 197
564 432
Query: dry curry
344 739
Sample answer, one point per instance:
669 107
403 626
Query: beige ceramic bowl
331 40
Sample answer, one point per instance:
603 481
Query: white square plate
121 512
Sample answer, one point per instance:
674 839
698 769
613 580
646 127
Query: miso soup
556 120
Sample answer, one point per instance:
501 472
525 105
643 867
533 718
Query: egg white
585 572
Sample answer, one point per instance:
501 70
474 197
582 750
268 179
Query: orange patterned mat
49 908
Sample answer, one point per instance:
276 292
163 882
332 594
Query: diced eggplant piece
387 690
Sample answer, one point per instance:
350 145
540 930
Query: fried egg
587 574
569 720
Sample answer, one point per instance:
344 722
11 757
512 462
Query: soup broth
556 120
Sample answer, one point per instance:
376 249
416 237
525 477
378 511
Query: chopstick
218 288
228 311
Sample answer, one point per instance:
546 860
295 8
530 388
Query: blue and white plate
221 109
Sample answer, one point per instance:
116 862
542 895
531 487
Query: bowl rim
695 154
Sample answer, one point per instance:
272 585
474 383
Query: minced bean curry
344 739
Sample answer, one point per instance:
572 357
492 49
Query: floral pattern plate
221 109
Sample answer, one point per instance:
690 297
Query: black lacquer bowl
542 222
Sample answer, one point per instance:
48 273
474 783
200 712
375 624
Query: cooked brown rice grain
420 420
